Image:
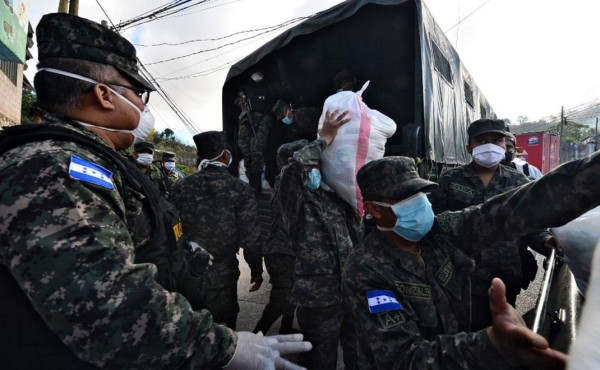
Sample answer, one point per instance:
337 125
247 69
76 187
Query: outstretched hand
514 340
256 282
331 125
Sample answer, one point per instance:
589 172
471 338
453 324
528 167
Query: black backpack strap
15 136
526 169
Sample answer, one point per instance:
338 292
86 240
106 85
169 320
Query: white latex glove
256 352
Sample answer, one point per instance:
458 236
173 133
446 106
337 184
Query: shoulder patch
388 320
445 272
462 189
382 301
413 290
86 171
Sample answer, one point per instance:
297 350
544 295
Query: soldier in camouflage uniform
290 125
71 296
473 184
144 161
323 228
219 212
166 175
408 281
255 124
279 257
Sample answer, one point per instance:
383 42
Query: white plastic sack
578 239
357 142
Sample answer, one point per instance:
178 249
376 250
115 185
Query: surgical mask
205 162
145 159
287 120
169 166
314 179
488 155
414 217
256 77
508 158
145 127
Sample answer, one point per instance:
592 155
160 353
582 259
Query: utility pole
74 7
562 158
71 7
63 6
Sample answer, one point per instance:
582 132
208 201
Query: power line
277 26
468 15
159 14
203 9
224 45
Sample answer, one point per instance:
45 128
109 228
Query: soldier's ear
373 209
104 97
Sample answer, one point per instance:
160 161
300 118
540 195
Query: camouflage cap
209 142
279 108
486 125
144 145
510 137
286 151
64 35
391 178
168 156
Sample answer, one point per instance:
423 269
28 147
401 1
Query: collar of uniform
470 172
54 119
386 253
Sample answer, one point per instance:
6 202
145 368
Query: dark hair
62 94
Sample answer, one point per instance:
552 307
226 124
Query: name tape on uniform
382 301
83 170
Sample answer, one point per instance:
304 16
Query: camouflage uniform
279 260
323 228
165 180
460 188
306 121
430 329
252 141
219 212
66 262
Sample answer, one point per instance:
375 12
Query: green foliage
26 103
573 132
186 154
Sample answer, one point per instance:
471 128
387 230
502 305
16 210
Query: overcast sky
529 57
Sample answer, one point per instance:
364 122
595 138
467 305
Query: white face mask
169 166
488 155
145 127
256 77
145 159
205 162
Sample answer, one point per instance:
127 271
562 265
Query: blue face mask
414 217
287 120
314 179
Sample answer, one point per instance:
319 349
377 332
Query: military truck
417 78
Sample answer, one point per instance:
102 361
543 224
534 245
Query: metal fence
571 151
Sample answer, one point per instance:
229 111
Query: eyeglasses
141 93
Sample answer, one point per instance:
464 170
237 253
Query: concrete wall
10 99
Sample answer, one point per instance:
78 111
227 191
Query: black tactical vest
26 341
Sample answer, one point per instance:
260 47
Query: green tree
573 132
27 102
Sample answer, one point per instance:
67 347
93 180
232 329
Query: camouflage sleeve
392 338
255 262
65 243
246 216
437 197
555 199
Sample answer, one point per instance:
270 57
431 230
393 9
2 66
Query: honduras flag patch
83 170
382 301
